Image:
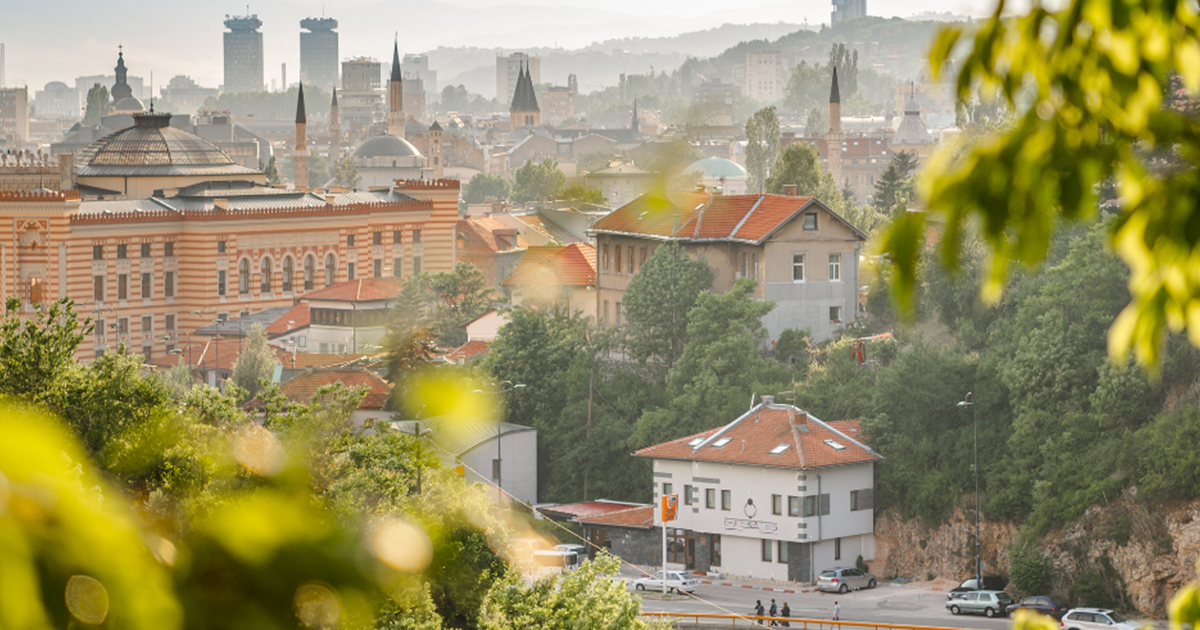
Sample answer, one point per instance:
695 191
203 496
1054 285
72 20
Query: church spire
121 88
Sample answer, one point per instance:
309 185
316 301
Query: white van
555 561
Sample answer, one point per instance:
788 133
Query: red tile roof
301 388
299 317
490 234
589 509
360 290
693 216
210 354
641 517
809 442
569 265
304 360
466 351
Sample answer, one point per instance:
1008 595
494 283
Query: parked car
990 583
1045 604
1096 619
676 581
842 579
579 550
987 603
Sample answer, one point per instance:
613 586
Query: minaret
121 89
435 150
524 110
395 115
833 139
335 130
300 153
634 123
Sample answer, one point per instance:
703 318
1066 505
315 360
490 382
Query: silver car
1096 619
842 579
676 581
988 603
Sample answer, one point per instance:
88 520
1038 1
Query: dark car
990 583
1045 604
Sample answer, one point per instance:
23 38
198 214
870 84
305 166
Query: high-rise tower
395 115
300 152
319 52
243 54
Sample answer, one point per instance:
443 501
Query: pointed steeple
635 125
396 74
333 103
524 98
121 89
834 96
301 117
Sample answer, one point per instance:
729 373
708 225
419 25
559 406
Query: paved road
901 604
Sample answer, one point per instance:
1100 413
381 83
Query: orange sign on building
670 505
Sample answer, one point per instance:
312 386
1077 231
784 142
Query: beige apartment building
766 76
803 255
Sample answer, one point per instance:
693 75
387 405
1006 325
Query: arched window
244 276
310 272
266 275
288 268
330 269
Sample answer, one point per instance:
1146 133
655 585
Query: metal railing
723 620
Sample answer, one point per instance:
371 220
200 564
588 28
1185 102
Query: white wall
518 474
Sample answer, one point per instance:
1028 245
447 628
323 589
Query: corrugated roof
587 509
641 517
799 441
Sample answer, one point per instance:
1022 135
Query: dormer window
779 449
835 445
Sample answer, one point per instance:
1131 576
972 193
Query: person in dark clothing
758 608
774 612
785 612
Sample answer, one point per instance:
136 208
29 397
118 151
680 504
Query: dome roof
716 168
386 145
129 104
151 147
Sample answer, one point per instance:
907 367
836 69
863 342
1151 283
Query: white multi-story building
765 76
776 494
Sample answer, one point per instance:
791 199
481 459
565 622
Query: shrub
861 565
1030 570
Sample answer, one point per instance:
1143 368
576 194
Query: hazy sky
49 40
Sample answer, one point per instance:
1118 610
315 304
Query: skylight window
721 442
835 445
696 442
779 449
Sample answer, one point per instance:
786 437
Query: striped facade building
150 271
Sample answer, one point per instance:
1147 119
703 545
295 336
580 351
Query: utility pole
587 437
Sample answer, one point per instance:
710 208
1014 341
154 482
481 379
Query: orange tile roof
359 290
641 517
569 265
301 388
299 317
481 235
210 354
467 350
694 216
810 443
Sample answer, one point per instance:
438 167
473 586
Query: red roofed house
344 317
564 277
375 405
803 255
775 494
490 244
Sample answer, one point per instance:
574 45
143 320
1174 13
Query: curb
751 586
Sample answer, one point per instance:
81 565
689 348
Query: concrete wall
518 454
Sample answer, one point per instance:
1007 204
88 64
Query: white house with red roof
803 255
348 317
776 494
557 276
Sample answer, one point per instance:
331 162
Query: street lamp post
967 402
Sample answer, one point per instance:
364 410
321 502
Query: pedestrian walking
837 611
758 608
785 612
774 612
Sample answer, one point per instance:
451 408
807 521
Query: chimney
789 190
768 400
66 171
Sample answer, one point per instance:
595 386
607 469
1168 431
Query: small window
687 494
798 267
416 265
169 249
97 252
122 284
603 257
98 288
668 489
416 237
397 238
169 322
835 267
147 284
777 504
696 442
349 240
146 247
779 449
377 238
721 442
835 314
710 498
147 324
618 256
782 556
169 284
726 500
837 548
377 267
766 549
122 251
835 445
793 506
397 267
810 506
220 247
810 221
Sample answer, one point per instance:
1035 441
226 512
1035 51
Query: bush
1030 571
861 565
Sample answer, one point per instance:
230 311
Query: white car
676 581
577 549
1097 619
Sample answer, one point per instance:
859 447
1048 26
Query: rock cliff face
1142 553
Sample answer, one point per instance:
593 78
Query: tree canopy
537 181
762 146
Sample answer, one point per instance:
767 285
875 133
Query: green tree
583 194
895 184
455 98
800 165
345 173
846 62
817 122
537 181
807 88
178 380
256 363
271 171
485 187
441 303
657 302
762 146
318 170
97 105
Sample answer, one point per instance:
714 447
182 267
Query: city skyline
87 45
